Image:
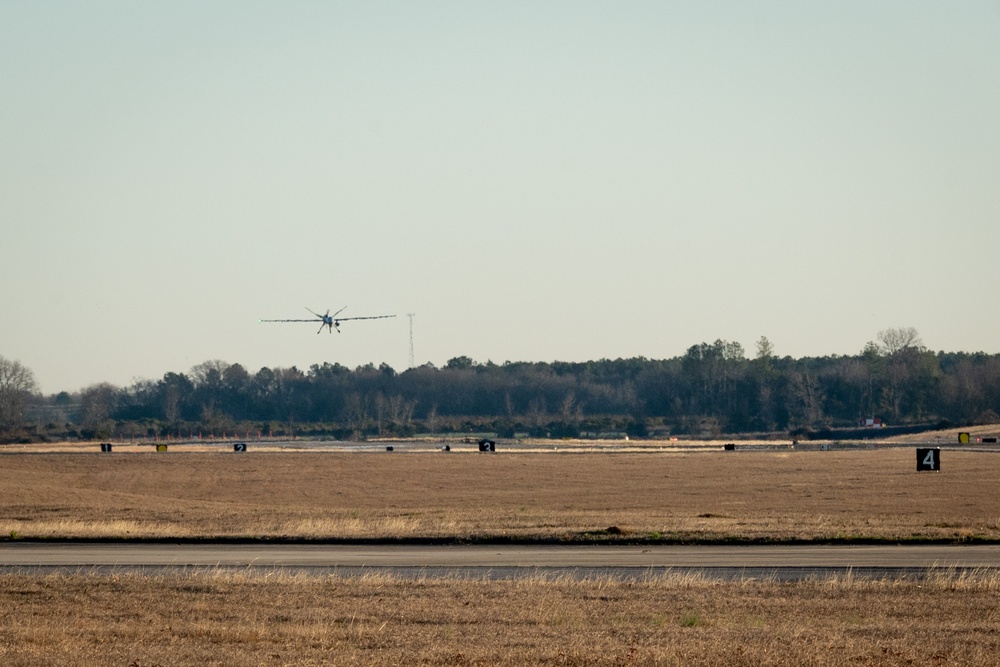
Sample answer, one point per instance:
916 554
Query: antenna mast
410 315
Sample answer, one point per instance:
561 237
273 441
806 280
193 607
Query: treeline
713 389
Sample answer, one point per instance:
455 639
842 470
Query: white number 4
929 459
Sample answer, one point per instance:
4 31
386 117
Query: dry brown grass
713 496
948 436
245 619
222 618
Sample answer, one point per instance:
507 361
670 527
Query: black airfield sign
929 459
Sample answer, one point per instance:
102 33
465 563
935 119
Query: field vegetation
272 617
224 618
563 496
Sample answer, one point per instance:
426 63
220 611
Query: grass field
754 495
243 619
226 618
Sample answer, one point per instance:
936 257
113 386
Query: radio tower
410 315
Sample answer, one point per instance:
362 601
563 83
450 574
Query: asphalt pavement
726 562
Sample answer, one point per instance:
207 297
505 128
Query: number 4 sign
929 460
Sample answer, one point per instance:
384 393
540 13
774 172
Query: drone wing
331 320
370 317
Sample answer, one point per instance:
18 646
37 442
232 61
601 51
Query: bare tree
209 372
902 347
402 411
537 411
97 404
358 412
894 341
764 377
805 399
765 349
394 411
571 411
17 383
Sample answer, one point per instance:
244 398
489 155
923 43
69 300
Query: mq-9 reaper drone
332 322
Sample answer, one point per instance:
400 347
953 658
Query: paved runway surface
728 562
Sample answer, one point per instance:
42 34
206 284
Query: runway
505 562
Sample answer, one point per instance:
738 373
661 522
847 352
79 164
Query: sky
532 181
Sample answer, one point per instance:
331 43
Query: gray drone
332 322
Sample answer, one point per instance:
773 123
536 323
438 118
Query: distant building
871 422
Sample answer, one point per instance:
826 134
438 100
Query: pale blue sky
537 181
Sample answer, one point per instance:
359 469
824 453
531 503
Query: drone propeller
328 320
